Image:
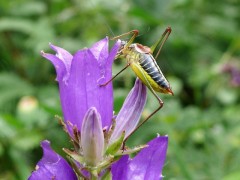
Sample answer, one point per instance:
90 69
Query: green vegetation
202 120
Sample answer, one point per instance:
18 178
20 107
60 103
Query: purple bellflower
233 68
96 133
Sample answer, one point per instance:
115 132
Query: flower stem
94 175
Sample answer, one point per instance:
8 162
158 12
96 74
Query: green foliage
202 120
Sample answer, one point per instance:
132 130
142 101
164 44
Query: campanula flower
233 68
96 133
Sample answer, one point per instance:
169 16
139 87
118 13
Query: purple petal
147 164
63 55
92 138
52 166
100 50
58 64
119 169
129 116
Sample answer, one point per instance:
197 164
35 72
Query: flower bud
92 138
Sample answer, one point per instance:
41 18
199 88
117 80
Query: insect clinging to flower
142 61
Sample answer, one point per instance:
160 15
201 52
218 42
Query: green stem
94 175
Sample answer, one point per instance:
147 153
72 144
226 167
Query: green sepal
106 163
103 165
109 133
74 155
107 175
130 151
115 146
76 168
94 174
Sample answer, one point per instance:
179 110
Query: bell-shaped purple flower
79 77
88 108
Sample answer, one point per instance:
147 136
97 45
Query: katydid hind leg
154 112
161 41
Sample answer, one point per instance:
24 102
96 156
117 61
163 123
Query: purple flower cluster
233 69
98 134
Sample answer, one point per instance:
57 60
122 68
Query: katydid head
121 49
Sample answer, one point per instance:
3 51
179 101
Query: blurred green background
201 60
